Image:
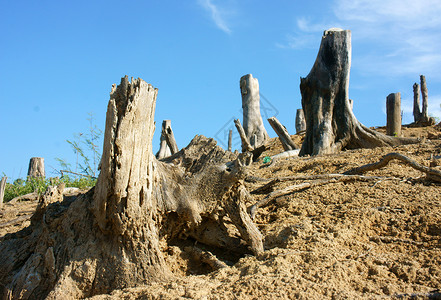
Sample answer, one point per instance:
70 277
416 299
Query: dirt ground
371 239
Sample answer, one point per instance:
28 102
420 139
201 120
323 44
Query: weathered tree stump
393 113
330 123
416 103
2 189
300 121
169 136
252 120
425 96
164 149
230 140
283 134
110 237
36 167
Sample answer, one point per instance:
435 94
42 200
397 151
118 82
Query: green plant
88 153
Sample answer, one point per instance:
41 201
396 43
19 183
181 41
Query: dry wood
169 136
300 121
16 221
319 180
27 197
432 174
230 139
283 134
252 120
330 123
36 167
164 149
246 146
393 112
416 103
2 189
206 257
425 96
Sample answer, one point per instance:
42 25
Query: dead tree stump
425 96
110 237
230 139
283 134
164 149
393 112
330 123
36 167
300 121
416 103
252 119
169 136
2 189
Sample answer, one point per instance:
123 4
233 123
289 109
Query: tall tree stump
425 96
330 123
230 140
416 103
252 119
36 167
393 114
2 189
113 236
300 121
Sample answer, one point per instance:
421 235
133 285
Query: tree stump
110 237
164 149
169 136
330 123
2 189
36 167
300 121
425 96
252 119
283 134
230 140
416 103
393 113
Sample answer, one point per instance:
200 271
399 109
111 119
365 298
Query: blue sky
59 59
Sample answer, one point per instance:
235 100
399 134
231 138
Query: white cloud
402 36
216 14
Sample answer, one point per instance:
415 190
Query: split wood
351 175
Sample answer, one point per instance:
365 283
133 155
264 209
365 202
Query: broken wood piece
206 257
246 146
283 134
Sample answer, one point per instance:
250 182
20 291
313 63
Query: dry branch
283 134
246 146
432 173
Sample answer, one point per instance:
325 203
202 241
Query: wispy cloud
402 36
216 14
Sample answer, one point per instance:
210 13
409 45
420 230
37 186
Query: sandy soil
346 240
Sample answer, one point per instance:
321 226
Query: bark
283 134
330 123
36 167
393 113
109 238
416 103
2 189
300 121
252 120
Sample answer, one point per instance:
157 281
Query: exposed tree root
206 257
432 174
318 180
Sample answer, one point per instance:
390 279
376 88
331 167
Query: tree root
206 257
432 174
318 180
